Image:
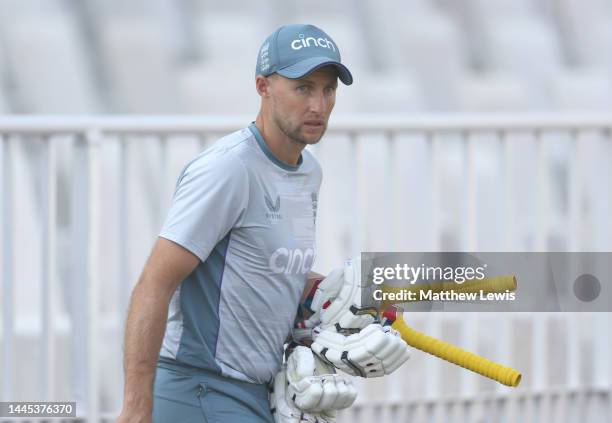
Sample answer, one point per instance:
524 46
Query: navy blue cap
297 50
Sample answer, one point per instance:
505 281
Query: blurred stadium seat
586 30
581 89
140 66
486 91
230 41
382 92
47 65
218 89
423 43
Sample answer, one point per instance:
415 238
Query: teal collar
264 147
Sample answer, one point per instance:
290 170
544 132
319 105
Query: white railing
391 183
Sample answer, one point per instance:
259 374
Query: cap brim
308 66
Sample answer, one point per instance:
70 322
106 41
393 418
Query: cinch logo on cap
304 41
287 52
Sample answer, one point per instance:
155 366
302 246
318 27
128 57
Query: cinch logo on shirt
304 41
274 209
287 261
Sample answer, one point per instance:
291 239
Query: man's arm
168 265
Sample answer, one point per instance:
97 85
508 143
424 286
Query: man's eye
302 88
330 90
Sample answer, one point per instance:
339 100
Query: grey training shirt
250 218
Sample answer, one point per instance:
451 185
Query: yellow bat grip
502 374
495 284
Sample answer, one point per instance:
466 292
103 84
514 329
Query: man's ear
262 85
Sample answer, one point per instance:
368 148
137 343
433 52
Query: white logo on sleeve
303 42
287 261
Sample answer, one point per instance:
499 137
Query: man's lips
314 123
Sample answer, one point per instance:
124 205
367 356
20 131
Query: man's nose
318 102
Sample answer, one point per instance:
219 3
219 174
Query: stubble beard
294 133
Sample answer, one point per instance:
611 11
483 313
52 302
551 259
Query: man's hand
337 300
308 390
372 352
133 416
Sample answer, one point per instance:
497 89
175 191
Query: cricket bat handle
502 374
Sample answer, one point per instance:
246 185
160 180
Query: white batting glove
308 390
372 352
337 300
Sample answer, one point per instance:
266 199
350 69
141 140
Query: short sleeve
210 199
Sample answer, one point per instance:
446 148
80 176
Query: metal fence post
8 340
49 247
94 139
79 241
84 305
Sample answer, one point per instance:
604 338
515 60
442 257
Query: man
218 296
233 257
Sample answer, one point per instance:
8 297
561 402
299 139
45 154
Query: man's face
301 107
